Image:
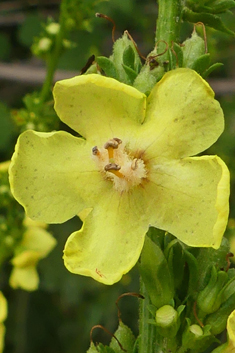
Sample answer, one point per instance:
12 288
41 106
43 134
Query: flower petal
53 176
26 258
3 308
231 333
110 241
182 117
191 199
25 278
96 106
38 240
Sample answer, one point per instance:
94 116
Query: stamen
119 141
110 146
95 151
114 168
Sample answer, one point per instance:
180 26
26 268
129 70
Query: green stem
147 341
168 24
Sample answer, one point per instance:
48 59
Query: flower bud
192 48
218 320
167 321
209 299
125 59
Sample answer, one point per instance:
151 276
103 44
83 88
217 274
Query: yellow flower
3 316
132 169
35 245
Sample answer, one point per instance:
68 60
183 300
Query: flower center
119 165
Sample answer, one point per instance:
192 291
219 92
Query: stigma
119 165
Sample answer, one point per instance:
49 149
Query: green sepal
228 290
201 64
152 309
156 275
147 78
107 66
176 261
167 321
209 299
211 69
192 49
125 337
207 19
92 348
130 73
218 320
105 349
175 56
100 348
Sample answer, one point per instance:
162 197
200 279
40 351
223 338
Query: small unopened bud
44 44
196 330
210 298
167 321
53 28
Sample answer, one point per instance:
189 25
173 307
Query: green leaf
107 66
202 63
207 19
156 274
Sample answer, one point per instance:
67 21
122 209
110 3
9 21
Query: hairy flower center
118 164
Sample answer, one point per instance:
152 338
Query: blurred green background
59 316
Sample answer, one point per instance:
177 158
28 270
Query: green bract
130 169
